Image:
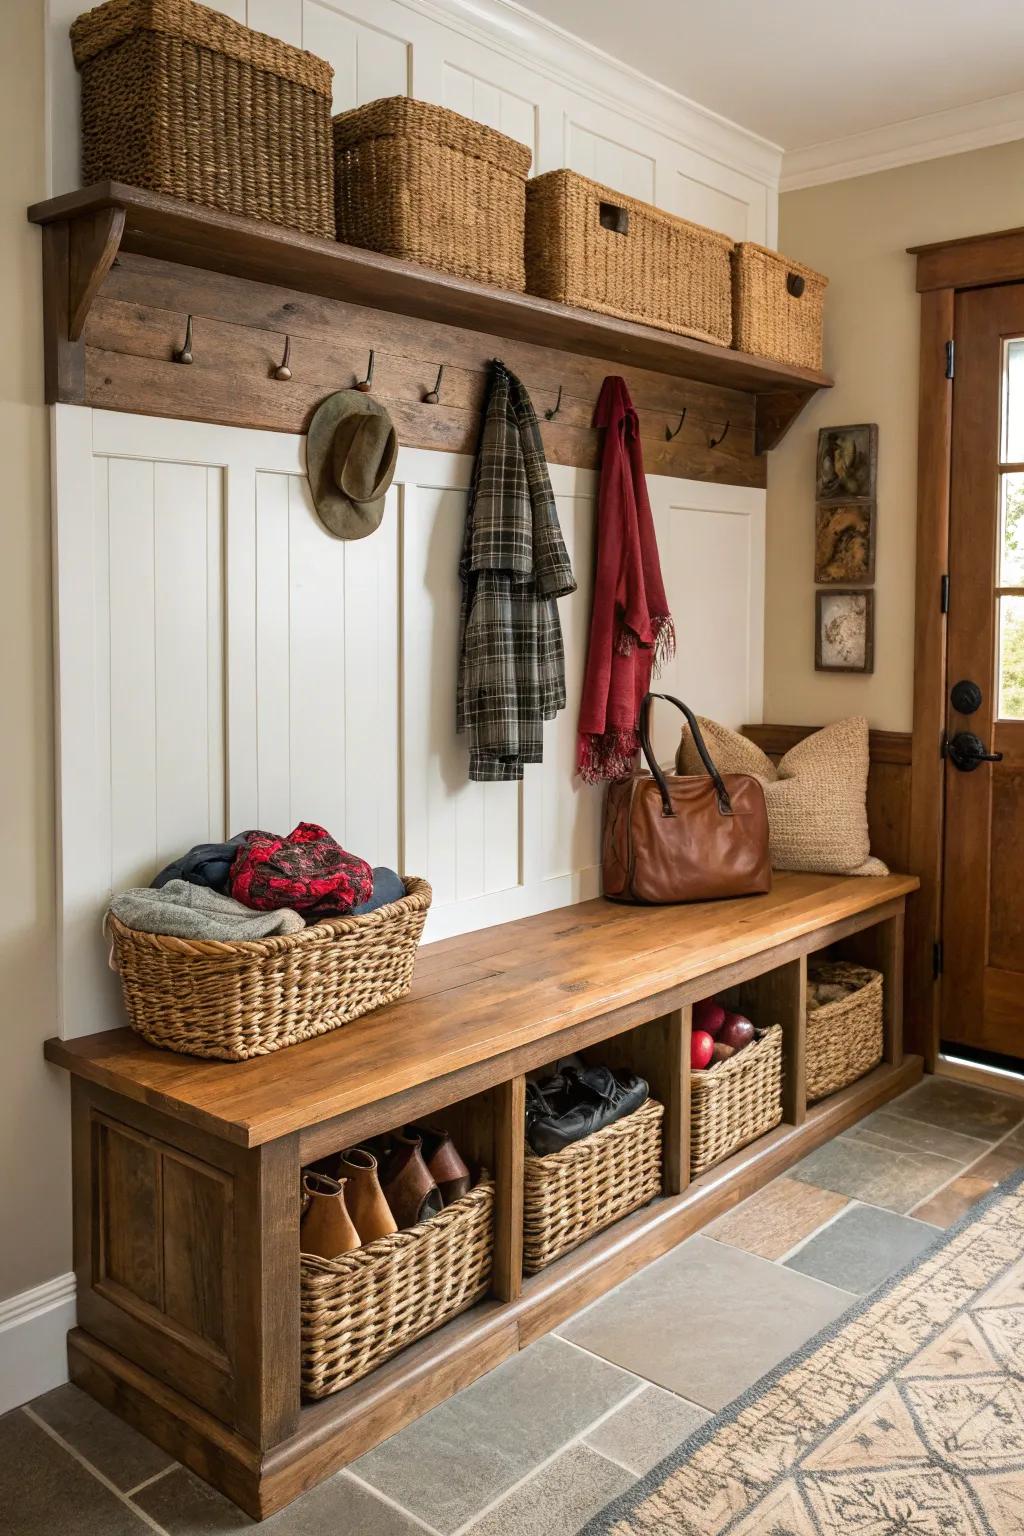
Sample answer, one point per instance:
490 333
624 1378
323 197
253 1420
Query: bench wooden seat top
492 1003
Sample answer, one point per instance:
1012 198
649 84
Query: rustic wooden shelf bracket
94 241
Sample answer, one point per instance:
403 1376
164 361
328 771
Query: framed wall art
847 466
844 631
844 543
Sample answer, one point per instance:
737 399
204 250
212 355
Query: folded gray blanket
187 911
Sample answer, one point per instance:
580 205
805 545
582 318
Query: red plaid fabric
306 870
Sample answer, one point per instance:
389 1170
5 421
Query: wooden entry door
983 885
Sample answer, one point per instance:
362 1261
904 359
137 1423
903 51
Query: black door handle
965 751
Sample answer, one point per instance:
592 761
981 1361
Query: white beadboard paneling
130 558
704 204
469 846
273 664
367 61
712 557
492 104
231 665
571 810
609 161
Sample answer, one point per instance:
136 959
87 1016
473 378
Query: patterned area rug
905 1418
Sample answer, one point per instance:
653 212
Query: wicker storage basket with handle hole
182 100
589 245
777 306
236 1000
844 1035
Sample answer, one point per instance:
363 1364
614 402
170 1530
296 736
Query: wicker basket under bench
845 1037
359 1310
737 1101
570 1195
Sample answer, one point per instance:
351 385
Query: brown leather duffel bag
684 837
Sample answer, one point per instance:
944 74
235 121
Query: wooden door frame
943 270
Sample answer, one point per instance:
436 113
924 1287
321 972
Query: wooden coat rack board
277 320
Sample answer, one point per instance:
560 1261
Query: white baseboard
33 1332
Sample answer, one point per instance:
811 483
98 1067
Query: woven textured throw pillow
817 812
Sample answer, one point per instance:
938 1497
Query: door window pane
1013 401
1011 531
1011 658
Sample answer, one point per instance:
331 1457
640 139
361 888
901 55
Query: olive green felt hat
351 453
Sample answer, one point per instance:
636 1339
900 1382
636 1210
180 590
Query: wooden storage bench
186 1172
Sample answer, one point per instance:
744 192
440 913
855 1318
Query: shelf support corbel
94 242
78 253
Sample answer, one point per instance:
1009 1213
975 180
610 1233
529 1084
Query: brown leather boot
326 1227
405 1179
441 1156
364 1196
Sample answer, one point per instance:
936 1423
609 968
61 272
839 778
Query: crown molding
975 126
549 50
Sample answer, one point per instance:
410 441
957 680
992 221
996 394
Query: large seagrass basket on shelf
423 183
590 246
180 99
236 1000
778 306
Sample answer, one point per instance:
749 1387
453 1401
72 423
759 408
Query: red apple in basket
710 1015
737 1031
701 1048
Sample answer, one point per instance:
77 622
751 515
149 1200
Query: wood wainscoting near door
888 784
889 824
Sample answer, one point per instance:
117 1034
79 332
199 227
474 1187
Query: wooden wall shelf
87 232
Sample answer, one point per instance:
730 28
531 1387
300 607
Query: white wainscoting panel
497 63
223 663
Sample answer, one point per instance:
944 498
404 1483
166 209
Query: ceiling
804 72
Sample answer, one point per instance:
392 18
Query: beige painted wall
35 1225
856 232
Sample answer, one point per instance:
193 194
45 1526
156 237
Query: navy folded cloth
205 864
387 887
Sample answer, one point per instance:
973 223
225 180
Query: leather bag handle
724 803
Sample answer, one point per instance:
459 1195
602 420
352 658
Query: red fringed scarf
631 629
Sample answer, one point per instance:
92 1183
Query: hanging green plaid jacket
513 567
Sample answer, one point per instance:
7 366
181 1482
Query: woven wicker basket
844 1038
590 246
236 1000
570 1195
183 100
777 306
737 1101
360 1309
422 183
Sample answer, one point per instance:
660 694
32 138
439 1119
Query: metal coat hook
184 355
669 433
550 415
282 371
433 397
364 385
713 442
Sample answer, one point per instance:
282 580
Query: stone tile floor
546 1440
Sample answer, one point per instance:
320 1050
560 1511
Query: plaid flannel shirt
513 567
